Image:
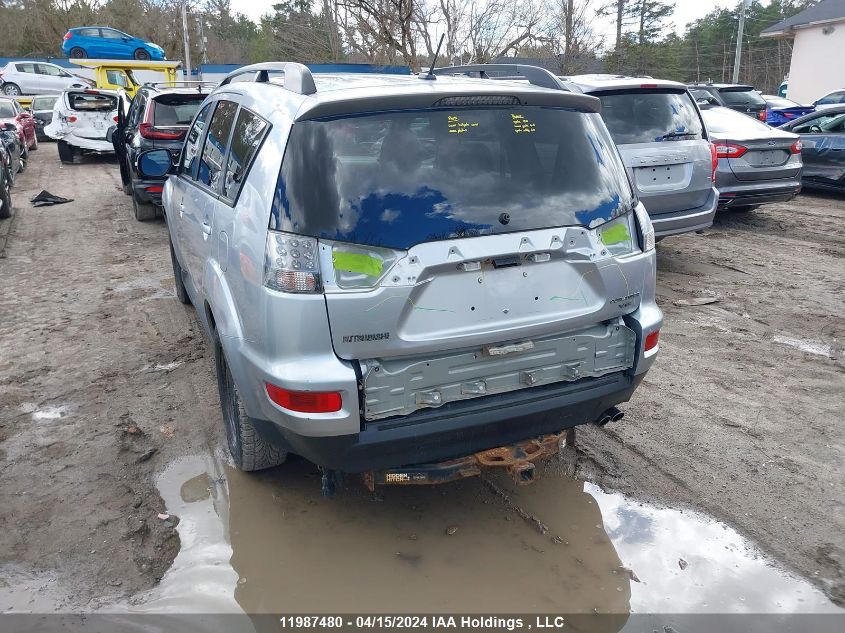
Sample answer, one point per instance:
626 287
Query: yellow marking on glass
361 263
522 125
615 234
457 126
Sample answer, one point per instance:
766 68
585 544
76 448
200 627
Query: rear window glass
724 120
85 102
176 110
649 116
7 110
403 178
742 97
43 103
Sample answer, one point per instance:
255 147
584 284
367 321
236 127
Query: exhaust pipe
611 415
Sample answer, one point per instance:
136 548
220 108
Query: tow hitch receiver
517 459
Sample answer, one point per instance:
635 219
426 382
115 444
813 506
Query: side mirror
155 163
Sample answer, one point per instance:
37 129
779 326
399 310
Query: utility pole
186 40
742 9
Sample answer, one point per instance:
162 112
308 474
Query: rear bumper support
742 198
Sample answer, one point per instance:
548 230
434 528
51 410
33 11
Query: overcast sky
685 10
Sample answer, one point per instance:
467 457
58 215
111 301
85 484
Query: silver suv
401 270
659 131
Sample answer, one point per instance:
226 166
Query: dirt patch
85 387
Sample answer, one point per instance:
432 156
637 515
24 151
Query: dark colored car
158 118
12 112
42 110
739 97
102 42
7 177
823 140
780 110
757 164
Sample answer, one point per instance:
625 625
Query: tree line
571 36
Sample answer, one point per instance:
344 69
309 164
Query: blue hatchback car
102 42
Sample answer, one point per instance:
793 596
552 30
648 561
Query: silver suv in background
402 270
658 129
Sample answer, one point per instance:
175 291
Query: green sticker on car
615 234
361 263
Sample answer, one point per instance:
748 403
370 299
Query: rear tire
34 143
144 211
12 90
141 54
181 291
66 152
249 450
77 53
24 159
5 199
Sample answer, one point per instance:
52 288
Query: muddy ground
106 380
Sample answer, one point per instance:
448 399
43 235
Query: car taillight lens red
651 340
714 162
305 401
795 148
115 118
148 131
71 119
762 115
730 150
67 35
155 189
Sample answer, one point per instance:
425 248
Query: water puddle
268 542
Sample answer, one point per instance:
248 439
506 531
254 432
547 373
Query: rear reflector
651 340
71 119
795 148
155 189
305 401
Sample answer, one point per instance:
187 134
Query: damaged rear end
81 118
487 273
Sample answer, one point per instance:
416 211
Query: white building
818 50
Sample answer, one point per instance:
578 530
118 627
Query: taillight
730 150
71 119
290 263
714 162
115 118
67 35
305 401
651 340
155 189
795 148
648 85
761 115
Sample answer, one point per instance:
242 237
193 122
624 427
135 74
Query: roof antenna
431 74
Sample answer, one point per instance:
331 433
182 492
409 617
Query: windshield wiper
675 134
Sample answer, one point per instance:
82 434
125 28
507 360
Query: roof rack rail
181 84
534 74
298 77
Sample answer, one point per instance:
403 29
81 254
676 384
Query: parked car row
14 151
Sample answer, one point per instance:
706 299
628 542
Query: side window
88 33
193 140
249 131
117 78
26 68
214 149
110 34
833 97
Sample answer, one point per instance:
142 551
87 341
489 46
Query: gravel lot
105 380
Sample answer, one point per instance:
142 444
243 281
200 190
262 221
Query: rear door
28 79
823 152
200 199
661 138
